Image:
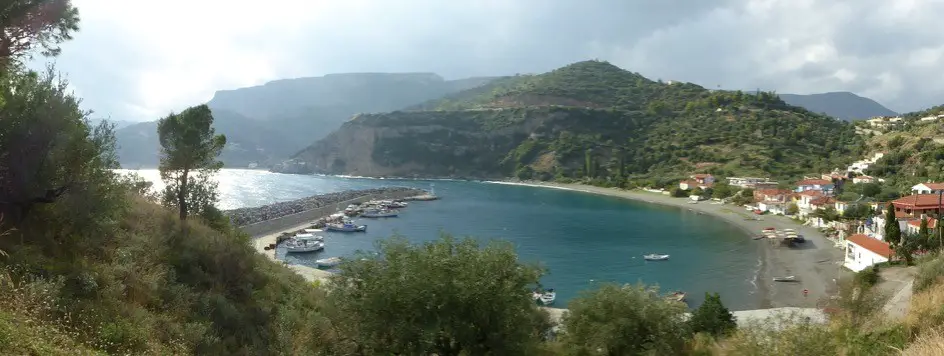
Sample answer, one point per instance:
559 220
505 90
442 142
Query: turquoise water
580 238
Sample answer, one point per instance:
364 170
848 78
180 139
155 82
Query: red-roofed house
772 195
863 251
914 225
822 185
928 188
918 204
703 178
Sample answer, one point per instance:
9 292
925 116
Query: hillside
268 123
587 119
914 151
842 105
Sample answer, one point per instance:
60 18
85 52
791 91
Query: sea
581 239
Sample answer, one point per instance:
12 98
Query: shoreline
814 262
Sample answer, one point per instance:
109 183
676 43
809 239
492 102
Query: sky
139 60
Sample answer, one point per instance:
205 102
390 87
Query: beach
815 263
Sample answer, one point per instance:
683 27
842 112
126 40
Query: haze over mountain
842 105
267 123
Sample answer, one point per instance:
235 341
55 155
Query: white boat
298 244
345 226
380 213
392 204
328 262
785 279
655 257
677 296
548 297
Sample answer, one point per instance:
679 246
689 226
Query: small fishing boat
345 226
677 296
329 262
380 213
655 257
785 279
301 243
548 297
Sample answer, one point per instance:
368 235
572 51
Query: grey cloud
728 43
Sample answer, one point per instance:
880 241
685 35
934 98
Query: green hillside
588 119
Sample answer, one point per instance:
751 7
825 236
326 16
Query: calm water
581 238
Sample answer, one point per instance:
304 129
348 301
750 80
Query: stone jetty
261 220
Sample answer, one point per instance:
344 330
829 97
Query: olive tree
446 297
624 320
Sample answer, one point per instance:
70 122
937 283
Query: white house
751 182
914 225
862 179
928 188
822 185
863 251
773 207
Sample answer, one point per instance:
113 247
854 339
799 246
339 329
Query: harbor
307 237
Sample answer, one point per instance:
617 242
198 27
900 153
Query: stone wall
282 223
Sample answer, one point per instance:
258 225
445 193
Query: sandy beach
816 263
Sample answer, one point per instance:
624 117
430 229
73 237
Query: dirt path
897 282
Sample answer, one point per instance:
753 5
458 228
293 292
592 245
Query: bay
582 239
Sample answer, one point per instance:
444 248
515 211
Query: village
844 204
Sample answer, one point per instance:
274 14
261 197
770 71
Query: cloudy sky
137 60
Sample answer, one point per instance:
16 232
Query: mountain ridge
843 105
589 119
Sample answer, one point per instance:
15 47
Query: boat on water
329 262
304 243
380 213
655 257
546 297
677 296
392 204
345 226
785 279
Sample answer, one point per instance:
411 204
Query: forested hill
588 119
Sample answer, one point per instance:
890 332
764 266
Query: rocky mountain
588 119
265 124
842 105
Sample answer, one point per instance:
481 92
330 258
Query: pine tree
713 317
892 230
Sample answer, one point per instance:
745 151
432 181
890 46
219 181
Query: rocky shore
246 216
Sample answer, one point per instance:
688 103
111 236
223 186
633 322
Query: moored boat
785 279
677 296
548 297
380 213
345 226
328 262
304 243
655 257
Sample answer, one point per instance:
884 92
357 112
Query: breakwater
266 219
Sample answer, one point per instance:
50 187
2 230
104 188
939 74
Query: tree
892 230
445 297
871 189
624 320
924 235
792 209
28 25
189 148
679 192
47 148
721 190
713 317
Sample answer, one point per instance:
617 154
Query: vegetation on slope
594 120
914 151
